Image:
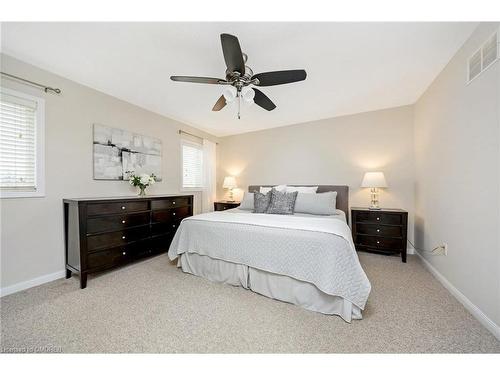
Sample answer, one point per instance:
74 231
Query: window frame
200 147
39 149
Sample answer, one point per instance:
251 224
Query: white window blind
19 117
192 165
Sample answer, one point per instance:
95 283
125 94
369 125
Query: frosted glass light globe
229 93
248 94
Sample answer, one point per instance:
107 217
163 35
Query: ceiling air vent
484 57
490 51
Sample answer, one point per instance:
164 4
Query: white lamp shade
229 182
374 180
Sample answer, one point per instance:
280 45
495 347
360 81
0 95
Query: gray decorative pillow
247 203
316 204
282 203
261 202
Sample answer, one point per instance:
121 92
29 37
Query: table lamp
229 183
374 180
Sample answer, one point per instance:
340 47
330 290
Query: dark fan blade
221 103
214 81
280 77
262 100
232 53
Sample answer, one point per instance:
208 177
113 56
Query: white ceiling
351 67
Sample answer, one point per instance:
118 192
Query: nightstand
225 205
381 231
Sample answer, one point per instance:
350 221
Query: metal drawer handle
378 230
378 218
378 241
123 221
123 207
123 237
173 214
173 226
124 253
173 202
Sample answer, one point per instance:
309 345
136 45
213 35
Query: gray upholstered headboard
342 194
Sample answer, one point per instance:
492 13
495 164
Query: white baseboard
473 309
31 283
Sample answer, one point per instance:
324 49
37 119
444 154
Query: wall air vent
484 57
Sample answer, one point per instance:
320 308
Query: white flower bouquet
142 181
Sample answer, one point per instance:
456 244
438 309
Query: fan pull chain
239 106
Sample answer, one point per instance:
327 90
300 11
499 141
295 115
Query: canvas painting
118 152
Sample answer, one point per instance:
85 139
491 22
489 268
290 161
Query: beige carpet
153 307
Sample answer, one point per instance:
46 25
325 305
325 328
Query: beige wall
457 172
32 228
332 151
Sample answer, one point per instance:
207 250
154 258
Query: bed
306 260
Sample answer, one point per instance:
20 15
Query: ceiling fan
240 77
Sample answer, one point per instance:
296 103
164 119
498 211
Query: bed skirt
279 287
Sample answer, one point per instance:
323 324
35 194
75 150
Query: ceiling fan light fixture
229 93
248 94
239 76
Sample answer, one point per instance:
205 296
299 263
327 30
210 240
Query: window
21 144
192 165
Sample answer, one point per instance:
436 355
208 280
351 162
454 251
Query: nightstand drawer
380 230
223 206
379 217
379 242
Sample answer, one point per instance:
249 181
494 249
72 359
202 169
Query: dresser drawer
379 217
161 243
171 215
109 257
94 209
116 222
112 239
379 242
380 230
170 203
162 228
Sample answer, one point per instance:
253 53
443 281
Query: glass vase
142 191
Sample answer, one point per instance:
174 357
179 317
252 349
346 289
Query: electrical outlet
441 250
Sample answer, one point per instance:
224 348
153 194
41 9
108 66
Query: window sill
193 190
21 194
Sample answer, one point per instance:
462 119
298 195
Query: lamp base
374 199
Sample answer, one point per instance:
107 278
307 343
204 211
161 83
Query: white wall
32 228
332 151
457 154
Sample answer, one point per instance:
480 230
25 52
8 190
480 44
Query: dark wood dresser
382 231
225 205
109 232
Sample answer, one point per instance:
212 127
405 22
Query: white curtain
209 167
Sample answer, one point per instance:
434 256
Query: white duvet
315 249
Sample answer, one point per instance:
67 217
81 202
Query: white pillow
265 190
302 189
247 202
316 204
